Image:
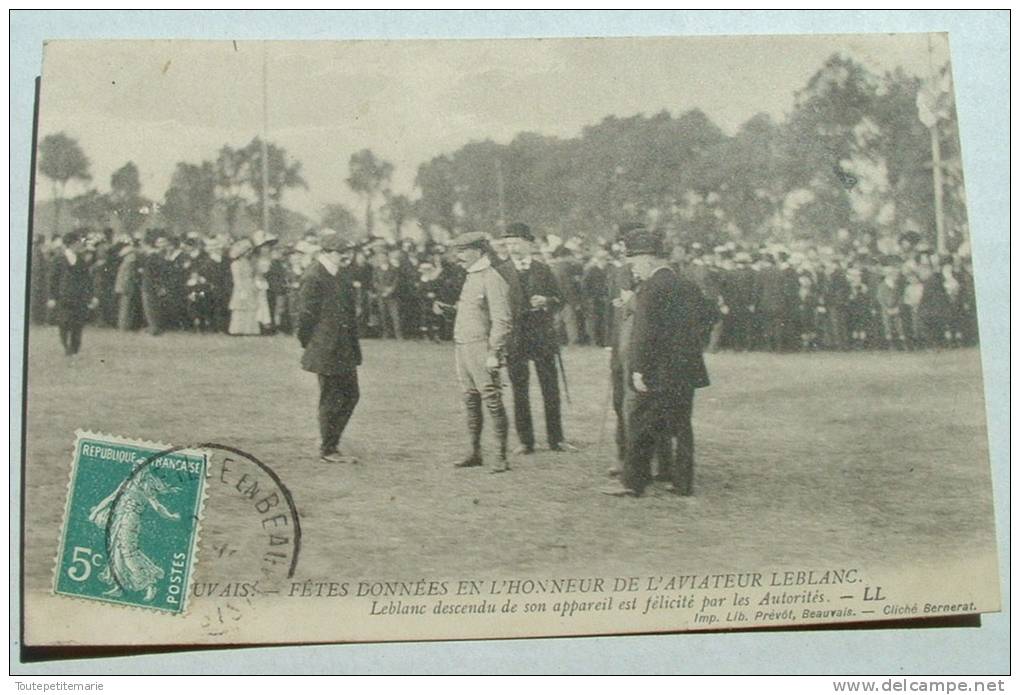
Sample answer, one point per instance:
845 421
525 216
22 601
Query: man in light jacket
480 335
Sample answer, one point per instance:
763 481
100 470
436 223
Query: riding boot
501 426
473 405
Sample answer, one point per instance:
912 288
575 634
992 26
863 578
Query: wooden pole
502 198
936 162
265 137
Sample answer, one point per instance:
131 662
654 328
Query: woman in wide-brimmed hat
244 296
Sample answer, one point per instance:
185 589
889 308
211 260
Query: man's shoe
566 447
524 450
677 490
470 462
501 467
336 457
620 491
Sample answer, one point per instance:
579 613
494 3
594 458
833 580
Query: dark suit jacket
327 324
70 287
534 333
670 317
518 302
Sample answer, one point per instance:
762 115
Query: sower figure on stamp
70 293
534 340
665 364
480 334
328 331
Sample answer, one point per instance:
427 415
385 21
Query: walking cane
606 403
563 372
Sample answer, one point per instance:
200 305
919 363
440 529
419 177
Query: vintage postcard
419 340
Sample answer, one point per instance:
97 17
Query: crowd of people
770 297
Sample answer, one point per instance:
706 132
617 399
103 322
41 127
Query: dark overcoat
327 323
670 317
71 288
535 330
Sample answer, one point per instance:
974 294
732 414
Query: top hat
642 241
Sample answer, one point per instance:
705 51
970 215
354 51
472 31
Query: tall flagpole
265 137
936 163
502 195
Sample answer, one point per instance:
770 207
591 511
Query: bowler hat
518 230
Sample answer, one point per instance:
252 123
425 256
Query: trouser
664 447
892 328
221 313
715 337
481 385
568 318
338 395
391 319
775 332
595 317
70 335
520 380
836 328
651 416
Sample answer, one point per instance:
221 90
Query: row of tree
851 155
231 186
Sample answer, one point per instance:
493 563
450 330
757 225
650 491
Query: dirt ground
812 460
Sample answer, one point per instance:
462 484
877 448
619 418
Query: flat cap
469 239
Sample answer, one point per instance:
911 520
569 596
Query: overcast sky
159 102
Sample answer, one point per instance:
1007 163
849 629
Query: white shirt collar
327 263
71 256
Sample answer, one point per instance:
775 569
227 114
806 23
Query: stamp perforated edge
199 513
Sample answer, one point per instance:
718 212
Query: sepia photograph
388 340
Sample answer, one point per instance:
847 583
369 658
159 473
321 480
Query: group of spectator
780 298
770 297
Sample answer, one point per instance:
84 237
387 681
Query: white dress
243 298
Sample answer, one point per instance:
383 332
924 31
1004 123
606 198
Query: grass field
803 460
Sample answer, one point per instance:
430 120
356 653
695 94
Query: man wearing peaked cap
480 334
328 331
664 363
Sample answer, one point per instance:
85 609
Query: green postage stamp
131 525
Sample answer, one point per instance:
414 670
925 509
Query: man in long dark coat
328 331
665 364
70 292
534 340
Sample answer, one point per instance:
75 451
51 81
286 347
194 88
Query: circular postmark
246 528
